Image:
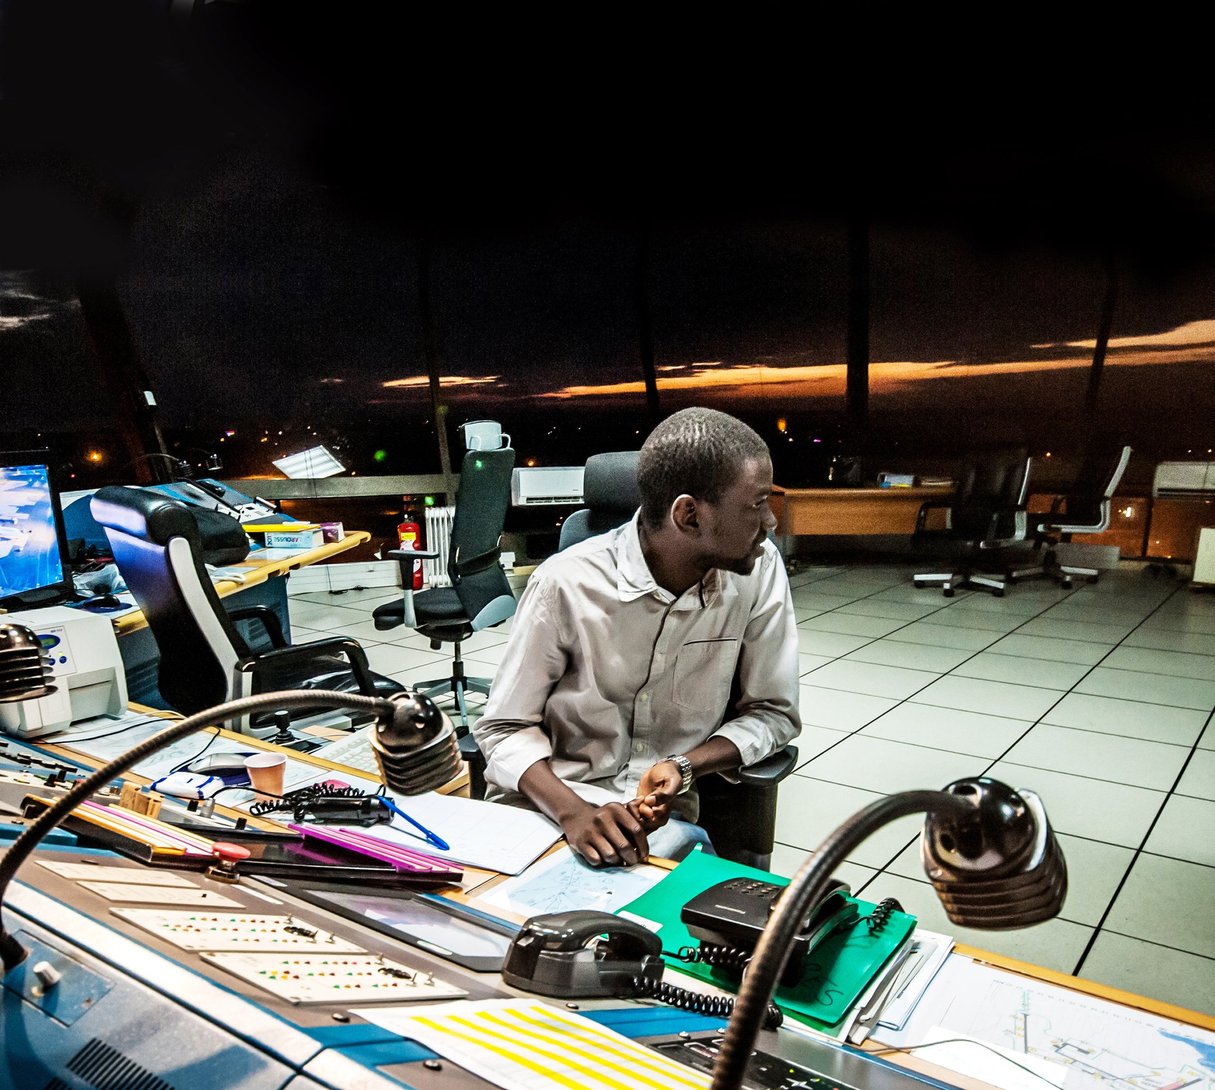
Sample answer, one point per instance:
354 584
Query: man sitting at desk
652 654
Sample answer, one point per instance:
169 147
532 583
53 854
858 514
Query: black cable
721 1006
882 911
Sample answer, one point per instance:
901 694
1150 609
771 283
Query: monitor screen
34 570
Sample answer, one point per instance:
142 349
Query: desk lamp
987 849
421 746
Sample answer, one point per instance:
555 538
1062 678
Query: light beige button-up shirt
606 673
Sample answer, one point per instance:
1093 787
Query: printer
86 669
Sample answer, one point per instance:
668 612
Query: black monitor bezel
50 594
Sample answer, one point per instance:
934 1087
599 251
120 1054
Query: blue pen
438 842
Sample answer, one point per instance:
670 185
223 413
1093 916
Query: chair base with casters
1063 574
962 579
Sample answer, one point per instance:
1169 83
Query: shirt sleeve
510 734
766 709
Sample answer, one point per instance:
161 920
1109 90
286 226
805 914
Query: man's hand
606 836
657 790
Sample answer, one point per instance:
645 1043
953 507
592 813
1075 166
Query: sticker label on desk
159 895
201 930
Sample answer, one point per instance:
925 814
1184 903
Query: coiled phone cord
721 1006
724 957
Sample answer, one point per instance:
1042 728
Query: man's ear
685 514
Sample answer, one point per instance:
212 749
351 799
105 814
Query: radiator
1204 558
438 539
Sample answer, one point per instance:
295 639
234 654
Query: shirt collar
635 580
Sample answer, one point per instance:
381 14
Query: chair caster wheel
1066 584
1092 579
1010 579
949 592
918 584
998 593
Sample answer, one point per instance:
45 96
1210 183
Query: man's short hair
695 451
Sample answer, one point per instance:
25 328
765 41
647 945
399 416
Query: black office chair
480 595
739 816
1084 509
985 517
204 658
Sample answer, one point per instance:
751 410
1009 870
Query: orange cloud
1191 333
416 381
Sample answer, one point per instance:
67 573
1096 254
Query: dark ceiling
111 105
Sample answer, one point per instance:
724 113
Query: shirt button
645 698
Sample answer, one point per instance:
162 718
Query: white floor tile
1101 756
401 662
1198 780
1177 692
877 764
852 623
1155 661
787 861
1159 972
1197 643
816 599
911 656
807 664
839 710
864 677
833 644
996 624
975 733
899 611
975 695
1085 632
1043 647
1040 673
815 740
807 811
1167 901
1131 718
1185 830
940 634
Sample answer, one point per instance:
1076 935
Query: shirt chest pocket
703 672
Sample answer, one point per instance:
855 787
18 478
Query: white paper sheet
479 834
562 881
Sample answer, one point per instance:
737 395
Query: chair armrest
480 562
268 618
771 769
298 652
410 554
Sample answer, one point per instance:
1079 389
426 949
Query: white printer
86 670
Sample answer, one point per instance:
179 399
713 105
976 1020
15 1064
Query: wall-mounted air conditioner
546 485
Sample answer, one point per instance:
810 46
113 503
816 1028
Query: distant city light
95 456
782 425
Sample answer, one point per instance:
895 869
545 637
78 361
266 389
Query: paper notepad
490 835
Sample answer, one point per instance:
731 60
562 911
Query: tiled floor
1099 698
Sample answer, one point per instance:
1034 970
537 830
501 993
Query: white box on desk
294 539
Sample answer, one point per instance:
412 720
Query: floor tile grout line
1138 853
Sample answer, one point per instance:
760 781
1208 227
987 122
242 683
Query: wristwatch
685 769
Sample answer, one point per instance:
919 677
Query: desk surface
484 985
258 568
843 512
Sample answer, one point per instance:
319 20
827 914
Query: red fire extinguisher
409 536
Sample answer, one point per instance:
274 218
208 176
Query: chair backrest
609 490
476 531
157 548
1088 499
991 482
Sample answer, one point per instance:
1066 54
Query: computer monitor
34 568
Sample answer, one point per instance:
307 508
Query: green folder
837 970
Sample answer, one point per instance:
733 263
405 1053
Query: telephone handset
582 953
729 918
588 953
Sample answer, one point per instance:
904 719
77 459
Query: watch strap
685 770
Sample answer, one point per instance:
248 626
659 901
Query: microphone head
415 746
25 666
1000 866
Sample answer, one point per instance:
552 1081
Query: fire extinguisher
409 536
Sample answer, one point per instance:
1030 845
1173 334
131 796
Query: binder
838 969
